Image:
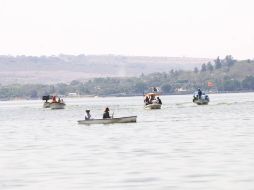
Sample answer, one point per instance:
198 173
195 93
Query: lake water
182 146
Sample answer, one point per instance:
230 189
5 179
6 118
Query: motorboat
130 119
54 103
203 100
57 105
152 101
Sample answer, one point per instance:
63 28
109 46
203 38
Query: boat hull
130 119
153 106
201 102
46 105
57 105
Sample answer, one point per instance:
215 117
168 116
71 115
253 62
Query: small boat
57 105
152 101
203 100
53 103
130 119
153 106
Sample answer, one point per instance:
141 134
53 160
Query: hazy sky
193 28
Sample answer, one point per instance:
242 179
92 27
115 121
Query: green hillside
226 75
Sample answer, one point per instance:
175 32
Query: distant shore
133 95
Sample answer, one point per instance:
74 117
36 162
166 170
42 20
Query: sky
173 28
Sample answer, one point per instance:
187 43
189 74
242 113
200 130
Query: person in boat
199 93
152 99
53 99
59 100
155 89
195 97
106 114
88 115
159 100
146 100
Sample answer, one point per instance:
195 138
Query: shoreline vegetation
218 76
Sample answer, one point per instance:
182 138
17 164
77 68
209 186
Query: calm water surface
181 146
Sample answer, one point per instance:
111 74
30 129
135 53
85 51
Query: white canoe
57 105
129 119
153 106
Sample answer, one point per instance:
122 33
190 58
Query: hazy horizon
105 55
199 28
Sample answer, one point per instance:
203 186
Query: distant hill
221 75
65 68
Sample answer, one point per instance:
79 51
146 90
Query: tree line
227 62
225 74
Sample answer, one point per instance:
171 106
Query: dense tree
229 61
196 70
140 87
166 88
232 85
75 82
203 68
209 67
248 83
217 62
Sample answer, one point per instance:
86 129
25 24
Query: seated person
106 114
146 100
88 115
159 100
54 99
152 99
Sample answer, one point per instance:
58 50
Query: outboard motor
46 98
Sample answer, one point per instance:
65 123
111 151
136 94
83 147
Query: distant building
181 90
73 94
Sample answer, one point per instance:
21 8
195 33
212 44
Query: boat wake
232 103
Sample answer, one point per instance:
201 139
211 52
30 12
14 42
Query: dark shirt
106 115
159 101
146 100
199 93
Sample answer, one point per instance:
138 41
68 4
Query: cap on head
87 110
107 109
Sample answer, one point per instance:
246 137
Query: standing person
88 115
199 93
106 113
